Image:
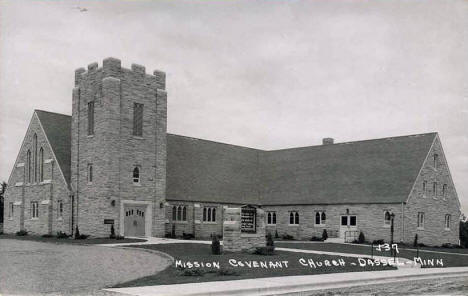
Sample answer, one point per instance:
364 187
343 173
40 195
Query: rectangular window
12 210
436 158
59 209
34 209
90 173
421 220
209 214
352 221
138 119
447 222
91 118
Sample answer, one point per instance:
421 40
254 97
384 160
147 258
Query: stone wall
434 206
234 240
21 192
113 150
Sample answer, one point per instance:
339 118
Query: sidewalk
294 284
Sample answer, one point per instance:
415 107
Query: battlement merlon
112 67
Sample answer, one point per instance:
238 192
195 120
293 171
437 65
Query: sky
261 74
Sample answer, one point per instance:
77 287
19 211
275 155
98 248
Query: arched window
209 214
274 218
136 175
35 156
28 166
291 218
90 173
174 213
296 218
444 191
204 214
434 189
41 165
179 213
269 218
213 213
317 218
436 158
184 213
420 220
387 218
324 218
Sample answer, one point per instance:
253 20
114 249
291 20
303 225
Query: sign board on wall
248 219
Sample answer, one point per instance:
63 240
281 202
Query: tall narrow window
35 156
424 188
28 166
436 160
271 218
294 218
447 222
444 191
434 189
274 218
90 173
91 118
387 218
34 209
59 209
174 213
209 215
179 213
41 165
136 175
12 210
420 220
204 213
184 214
138 119
320 218
213 215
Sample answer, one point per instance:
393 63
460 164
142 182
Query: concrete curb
293 285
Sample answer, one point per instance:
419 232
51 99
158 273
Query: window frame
447 223
138 119
90 173
209 214
34 210
444 191
59 209
91 112
434 190
294 218
41 165
11 210
435 161
35 156
387 222
136 180
28 164
421 220
271 218
320 215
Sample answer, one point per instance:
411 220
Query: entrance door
134 221
348 223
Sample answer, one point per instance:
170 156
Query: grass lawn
192 252
453 258
88 241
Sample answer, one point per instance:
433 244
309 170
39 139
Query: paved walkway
294 284
28 267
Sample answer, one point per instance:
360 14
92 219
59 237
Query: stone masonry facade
47 191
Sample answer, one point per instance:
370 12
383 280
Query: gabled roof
57 128
370 171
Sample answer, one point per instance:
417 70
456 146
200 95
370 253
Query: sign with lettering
248 219
108 221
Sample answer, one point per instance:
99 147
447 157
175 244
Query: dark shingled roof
370 171
57 128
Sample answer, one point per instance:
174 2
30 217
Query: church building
113 163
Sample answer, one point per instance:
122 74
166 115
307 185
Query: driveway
28 267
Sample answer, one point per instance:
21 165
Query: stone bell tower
118 163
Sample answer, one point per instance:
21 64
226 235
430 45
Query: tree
464 234
2 193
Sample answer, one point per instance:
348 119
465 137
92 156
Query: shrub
77 233
187 235
47 235
119 237
378 242
21 233
61 234
112 235
173 231
268 250
316 239
224 272
464 234
324 235
215 245
449 246
361 238
192 272
288 237
276 234
269 240
415 243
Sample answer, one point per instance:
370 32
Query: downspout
402 236
51 198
